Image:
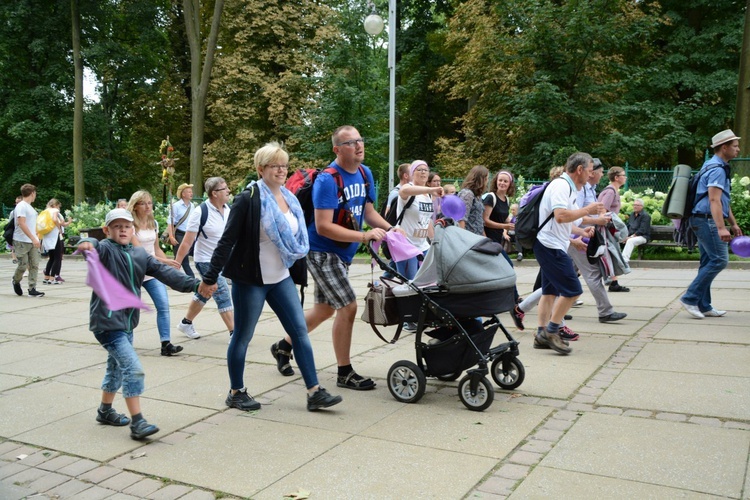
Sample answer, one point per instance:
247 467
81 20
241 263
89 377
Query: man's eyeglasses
221 189
352 143
278 168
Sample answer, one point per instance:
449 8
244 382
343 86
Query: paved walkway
656 406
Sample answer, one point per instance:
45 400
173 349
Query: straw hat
723 137
182 187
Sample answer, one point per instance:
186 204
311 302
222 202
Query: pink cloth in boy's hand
399 246
112 292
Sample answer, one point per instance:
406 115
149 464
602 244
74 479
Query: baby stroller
463 279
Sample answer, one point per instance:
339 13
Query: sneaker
567 334
410 327
282 360
693 310
519 257
321 399
33 293
142 429
517 314
170 349
47 281
567 317
59 278
578 303
242 400
17 287
188 330
714 313
540 343
616 287
554 341
111 417
615 316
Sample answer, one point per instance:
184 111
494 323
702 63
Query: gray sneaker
242 401
554 341
321 399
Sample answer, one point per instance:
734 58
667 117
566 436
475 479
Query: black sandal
111 417
282 360
355 382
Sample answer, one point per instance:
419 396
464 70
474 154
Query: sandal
282 360
355 381
111 417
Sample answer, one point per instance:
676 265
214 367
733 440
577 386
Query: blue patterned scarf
291 246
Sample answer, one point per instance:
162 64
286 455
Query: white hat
117 213
722 137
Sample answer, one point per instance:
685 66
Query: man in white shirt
26 244
217 196
179 217
559 278
591 273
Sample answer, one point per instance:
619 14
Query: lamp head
374 24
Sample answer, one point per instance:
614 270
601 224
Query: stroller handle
383 265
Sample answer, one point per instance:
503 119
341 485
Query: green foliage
740 200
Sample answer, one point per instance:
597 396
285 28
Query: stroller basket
456 354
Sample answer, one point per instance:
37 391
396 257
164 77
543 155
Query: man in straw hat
179 213
710 214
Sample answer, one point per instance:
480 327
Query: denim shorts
123 366
221 295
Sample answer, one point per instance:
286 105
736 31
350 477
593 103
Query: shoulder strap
184 216
552 213
401 215
204 219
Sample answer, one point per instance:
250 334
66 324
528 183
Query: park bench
661 236
71 244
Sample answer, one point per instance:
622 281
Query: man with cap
179 213
591 273
710 214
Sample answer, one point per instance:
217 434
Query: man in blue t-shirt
708 220
332 247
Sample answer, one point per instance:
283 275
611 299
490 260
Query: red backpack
300 183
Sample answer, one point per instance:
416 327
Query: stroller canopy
463 262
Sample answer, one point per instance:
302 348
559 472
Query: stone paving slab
545 482
690 393
655 452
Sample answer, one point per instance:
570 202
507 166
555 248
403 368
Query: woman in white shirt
141 205
52 244
415 217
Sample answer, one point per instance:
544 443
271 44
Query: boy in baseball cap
128 264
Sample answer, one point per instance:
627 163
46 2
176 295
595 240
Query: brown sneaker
555 342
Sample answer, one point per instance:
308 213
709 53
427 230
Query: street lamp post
374 26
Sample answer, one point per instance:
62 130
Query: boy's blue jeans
123 366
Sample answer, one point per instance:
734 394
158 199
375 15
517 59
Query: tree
200 76
79 188
266 79
742 113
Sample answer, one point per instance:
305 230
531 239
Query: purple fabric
399 246
112 292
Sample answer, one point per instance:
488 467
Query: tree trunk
742 112
79 192
199 79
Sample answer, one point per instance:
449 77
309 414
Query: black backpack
9 229
527 219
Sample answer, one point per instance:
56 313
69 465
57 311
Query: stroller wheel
450 377
511 377
481 399
406 382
